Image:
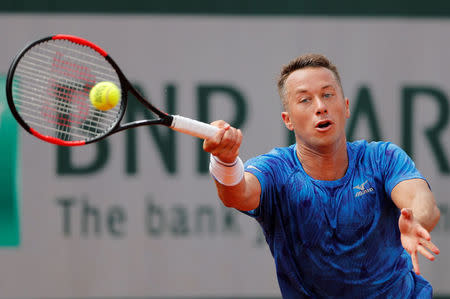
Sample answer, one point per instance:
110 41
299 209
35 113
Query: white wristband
228 174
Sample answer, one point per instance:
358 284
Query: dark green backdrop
356 8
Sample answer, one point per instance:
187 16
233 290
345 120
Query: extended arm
419 215
225 146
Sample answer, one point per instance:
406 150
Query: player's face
316 108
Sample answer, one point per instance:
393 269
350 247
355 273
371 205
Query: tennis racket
48 87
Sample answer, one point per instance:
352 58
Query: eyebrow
305 90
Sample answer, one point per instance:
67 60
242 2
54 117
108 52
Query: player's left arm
419 215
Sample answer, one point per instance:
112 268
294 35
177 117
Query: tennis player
342 219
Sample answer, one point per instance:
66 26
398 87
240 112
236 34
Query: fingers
433 248
425 240
425 253
226 143
430 246
415 262
210 144
416 239
422 249
423 233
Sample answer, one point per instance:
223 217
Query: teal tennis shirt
337 239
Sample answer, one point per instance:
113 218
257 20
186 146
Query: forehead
310 78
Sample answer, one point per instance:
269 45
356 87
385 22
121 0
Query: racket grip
193 127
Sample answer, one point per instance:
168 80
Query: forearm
231 196
416 195
244 196
425 210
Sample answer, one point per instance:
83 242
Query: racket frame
125 86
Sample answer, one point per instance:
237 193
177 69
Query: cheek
343 111
299 117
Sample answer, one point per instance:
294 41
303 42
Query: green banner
380 8
9 175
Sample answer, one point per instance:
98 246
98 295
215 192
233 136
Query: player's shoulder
372 146
374 151
283 152
276 157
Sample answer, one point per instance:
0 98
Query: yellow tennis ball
104 95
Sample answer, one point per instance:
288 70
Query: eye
327 95
303 100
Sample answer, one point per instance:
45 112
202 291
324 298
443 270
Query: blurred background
136 215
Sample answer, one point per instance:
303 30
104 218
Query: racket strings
38 99
51 89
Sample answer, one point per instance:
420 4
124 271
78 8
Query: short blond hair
301 62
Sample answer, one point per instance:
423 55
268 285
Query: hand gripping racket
48 87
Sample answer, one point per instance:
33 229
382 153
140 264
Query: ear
287 120
347 108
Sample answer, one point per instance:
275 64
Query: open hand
415 238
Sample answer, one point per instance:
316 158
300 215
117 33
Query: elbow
228 199
235 203
227 203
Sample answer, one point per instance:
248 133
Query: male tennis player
342 220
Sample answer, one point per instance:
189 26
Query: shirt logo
362 189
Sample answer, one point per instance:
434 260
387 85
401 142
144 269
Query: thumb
407 213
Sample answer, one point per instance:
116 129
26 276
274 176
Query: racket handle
193 127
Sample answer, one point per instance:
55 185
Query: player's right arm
245 195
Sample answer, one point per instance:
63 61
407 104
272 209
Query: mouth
323 125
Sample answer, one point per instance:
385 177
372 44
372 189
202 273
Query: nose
321 107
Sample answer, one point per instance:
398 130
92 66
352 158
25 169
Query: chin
325 142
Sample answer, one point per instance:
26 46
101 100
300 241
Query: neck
327 164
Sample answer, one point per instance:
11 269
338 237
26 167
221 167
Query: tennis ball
104 95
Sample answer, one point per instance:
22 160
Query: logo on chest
363 189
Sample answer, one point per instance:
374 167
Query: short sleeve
259 167
270 170
397 166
